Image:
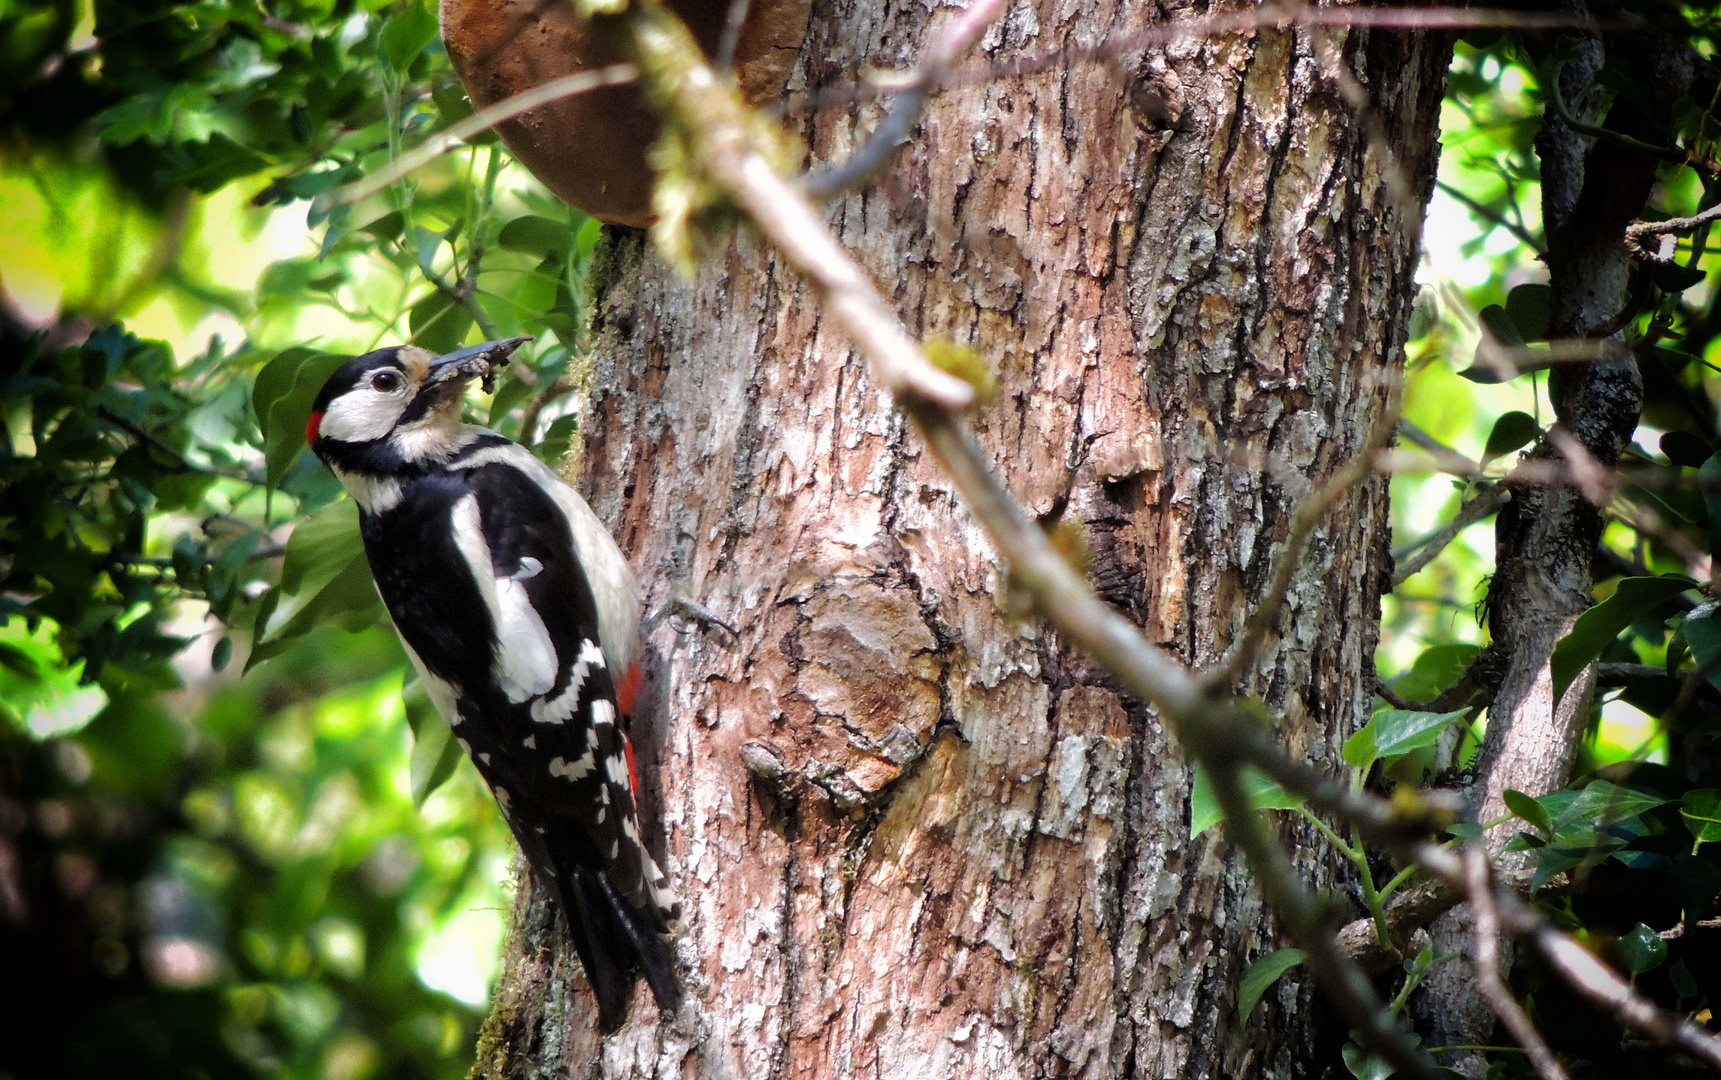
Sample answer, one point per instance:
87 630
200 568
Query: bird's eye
385 381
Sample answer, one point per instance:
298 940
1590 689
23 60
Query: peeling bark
914 836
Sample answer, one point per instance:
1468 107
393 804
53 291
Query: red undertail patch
632 769
311 426
627 691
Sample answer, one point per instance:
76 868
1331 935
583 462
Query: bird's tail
616 939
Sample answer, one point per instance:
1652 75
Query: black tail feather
614 942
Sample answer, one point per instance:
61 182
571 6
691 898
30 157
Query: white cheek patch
362 415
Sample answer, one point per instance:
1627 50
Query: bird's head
398 408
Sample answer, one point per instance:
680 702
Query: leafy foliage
278 866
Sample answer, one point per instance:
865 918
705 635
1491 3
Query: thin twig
448 138
958 36
1524 236
546 394
732 24
1486 921
1418 554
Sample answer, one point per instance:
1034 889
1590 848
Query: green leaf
349 600
1683 984
1437 669
221 654
1530 810
320 547
1673 278
275 380
438 322
407 33
1528 307
1264 794
386 228
509 393
287 416
538 235
1512 431
1701 809
435 752
1392 732
557 438
1262 974
1499 323
1599 805
1597 628
1644 949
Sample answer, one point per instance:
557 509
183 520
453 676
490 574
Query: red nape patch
311 426
632 766
627 691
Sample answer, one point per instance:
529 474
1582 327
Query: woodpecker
520 615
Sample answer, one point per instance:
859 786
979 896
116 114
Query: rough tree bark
914 836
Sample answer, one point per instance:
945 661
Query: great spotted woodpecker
521 615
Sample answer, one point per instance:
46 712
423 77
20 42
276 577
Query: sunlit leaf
1263 791
1597 628
1391 732
1701 810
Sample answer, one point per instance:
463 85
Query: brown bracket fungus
590 149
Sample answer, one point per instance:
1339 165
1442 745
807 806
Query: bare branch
1418 554
1486 920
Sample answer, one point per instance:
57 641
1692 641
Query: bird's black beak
473 361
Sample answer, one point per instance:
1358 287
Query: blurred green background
225 858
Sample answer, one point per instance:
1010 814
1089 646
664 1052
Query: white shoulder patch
612 582
525 660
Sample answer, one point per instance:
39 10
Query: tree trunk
914 836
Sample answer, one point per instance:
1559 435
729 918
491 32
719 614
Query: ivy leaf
438 322
1391 732
289 414
1709 483
1701 633
1263 791
1597 628
1262 974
